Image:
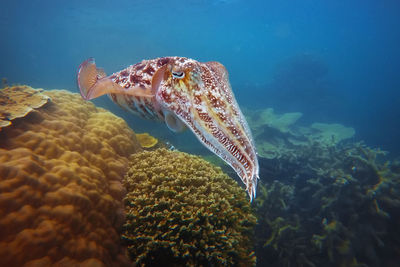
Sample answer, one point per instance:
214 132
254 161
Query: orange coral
146 140
18 101
60 185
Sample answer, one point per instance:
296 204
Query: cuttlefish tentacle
183 93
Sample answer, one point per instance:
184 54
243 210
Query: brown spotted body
139 76
183 93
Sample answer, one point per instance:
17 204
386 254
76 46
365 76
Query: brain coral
60 185
183 211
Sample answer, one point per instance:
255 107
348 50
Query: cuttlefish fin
219 69
92 82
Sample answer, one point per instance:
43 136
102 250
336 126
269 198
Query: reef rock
60 185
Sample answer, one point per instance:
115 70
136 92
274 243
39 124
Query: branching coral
340 208
183 211
277 136
60 185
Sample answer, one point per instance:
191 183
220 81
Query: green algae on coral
183 211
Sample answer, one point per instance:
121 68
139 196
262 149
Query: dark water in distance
335 61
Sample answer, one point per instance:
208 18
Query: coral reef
331 205
331 133
19 101
183 211
61 168
146 140
323 200
258 119
277 135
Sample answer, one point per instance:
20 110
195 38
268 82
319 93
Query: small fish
183 93
170 146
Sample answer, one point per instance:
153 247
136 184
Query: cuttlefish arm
200 95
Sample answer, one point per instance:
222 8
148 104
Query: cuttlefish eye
178 74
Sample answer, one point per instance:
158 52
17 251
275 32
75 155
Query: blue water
335 61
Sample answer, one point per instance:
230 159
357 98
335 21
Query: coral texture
183 211
323 201
18 101
260 118
277 136
60 185
329 206
331 133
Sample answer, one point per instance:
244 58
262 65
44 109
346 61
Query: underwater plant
183 211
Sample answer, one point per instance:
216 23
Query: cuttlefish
183 93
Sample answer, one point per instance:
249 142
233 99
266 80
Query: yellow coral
183 210
146 140
60 185
18 101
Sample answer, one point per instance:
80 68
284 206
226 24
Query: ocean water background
335 61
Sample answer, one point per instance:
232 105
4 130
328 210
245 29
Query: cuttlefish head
199 96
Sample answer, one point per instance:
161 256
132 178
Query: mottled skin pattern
139 76
200 95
